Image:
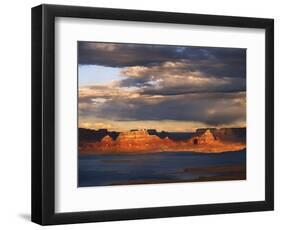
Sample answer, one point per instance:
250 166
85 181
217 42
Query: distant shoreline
156 152
200 179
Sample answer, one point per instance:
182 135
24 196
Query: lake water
102 170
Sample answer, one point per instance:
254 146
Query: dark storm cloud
147 87
229 62
175 78
157 82
123 55
181 90
209 108
214 111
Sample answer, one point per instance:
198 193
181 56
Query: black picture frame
43 114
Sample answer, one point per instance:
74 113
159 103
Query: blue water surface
101 170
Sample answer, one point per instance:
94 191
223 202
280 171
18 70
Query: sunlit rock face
137 135
143 141
137 140
107 141
205 138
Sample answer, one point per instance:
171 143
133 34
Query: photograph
151 113
142 114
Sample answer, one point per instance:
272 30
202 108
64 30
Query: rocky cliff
139 140
226 134
205 137
134 141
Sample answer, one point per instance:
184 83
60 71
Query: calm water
101 170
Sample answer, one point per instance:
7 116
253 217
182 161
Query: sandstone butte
140 141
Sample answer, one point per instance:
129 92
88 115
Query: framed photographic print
142 114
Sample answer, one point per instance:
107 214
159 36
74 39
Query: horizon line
232 127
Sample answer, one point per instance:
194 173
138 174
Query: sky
173 88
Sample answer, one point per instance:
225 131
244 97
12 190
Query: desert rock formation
206 137
141 141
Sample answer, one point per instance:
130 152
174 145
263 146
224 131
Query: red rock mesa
141 141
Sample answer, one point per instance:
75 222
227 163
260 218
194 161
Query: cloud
208 108
198 85
121 55
229 62
174 78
